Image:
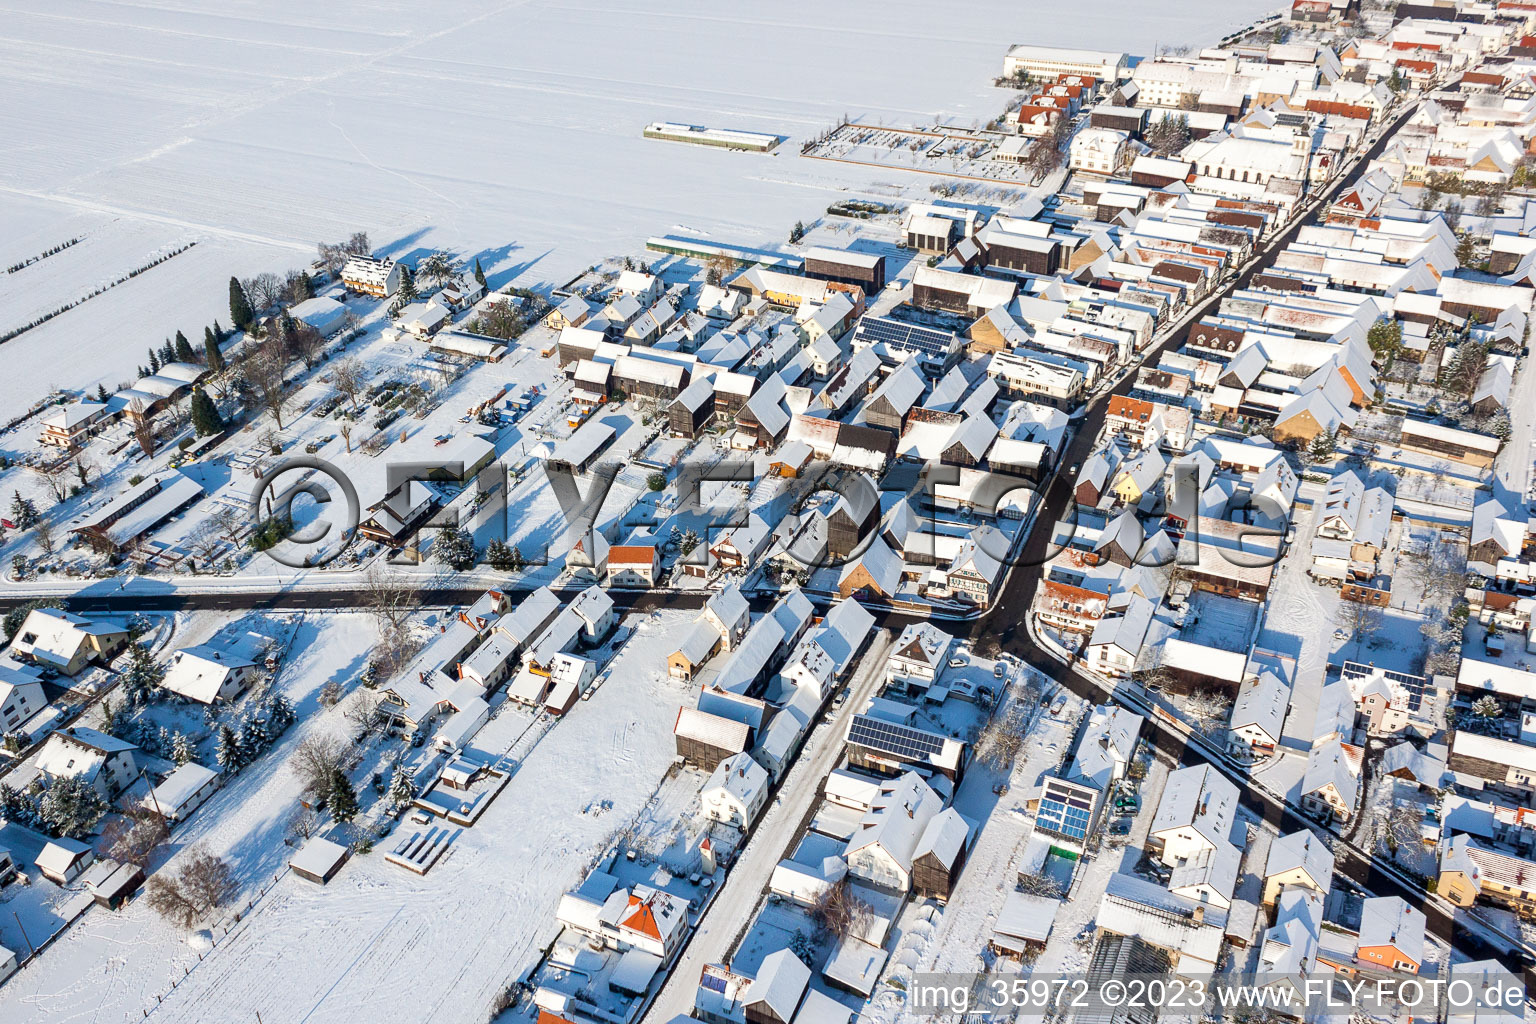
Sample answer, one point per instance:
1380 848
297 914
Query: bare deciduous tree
838 912
201 884
1359 620
231 522
1003 737
350 379
1040 885
264 290
136 834
346 436
206 540
306 343
304 824
266 370
363 712
43 530
57 477
315 762
143 427
1402 825
391 596
1209 710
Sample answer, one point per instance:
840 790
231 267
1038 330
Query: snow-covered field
508 131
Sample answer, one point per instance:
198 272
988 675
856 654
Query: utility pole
31 949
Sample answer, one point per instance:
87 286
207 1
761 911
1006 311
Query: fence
220 931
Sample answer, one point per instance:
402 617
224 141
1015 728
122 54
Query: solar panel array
1064 812
908 337
893 738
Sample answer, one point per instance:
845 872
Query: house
1100 151
369 276
1288 954
633 565
728 613
1258 714
1390 702
208 674
1210 877
421 320
873 576
67 642
1495 536
918 658
698 645
1116 642
182 792
574 311
884 847
325 315
68 426
1299 859
1330 787
1071 801
62 860
21 696
1391 934
775 994
318 860
1194 816
645 919
105 762
735 792
645 287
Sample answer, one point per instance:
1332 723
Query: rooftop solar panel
901 740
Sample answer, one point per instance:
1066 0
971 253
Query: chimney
1198 916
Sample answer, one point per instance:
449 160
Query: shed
319 860
111 883
1023 924
62 860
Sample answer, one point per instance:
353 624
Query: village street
732 909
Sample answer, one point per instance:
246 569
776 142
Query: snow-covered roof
59 855
712 730
1261 703
1390 921
897 819
199 672
739 777
318 857
1201 797
944 837
780 982
179 787
1302 850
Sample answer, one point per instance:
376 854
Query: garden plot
483 913
115 964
